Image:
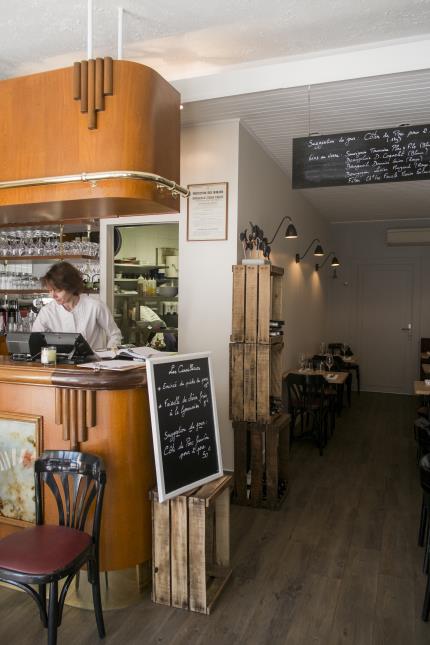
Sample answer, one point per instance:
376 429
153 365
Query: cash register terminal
71 348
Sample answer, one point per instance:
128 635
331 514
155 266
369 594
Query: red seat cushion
42 549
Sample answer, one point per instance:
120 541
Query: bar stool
425 510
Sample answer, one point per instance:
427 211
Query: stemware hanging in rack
40 243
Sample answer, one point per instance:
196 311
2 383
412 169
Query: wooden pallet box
261 453
257 298
191 546
255 377
255 355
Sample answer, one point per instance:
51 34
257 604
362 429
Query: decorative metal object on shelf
255 240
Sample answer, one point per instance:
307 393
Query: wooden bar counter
101 412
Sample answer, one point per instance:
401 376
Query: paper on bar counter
138 353
112 365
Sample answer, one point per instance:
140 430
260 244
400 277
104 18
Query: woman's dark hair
64 276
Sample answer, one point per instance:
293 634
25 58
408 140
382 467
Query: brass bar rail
161 182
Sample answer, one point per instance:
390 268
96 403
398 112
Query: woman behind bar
73 311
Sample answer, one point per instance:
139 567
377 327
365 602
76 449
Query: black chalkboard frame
159 468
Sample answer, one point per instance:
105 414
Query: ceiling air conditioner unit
408 236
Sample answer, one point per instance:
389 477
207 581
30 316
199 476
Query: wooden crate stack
261 437
191 546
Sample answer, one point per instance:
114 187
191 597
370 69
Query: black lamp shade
291 232
335 262
318 250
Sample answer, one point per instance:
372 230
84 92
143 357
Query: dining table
337 378
421 389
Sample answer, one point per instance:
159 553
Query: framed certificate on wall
207 212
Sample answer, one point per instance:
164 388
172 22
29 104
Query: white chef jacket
90 317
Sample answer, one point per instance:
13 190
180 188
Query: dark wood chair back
305 391
77 481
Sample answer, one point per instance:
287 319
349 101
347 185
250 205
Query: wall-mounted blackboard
184 422
367 157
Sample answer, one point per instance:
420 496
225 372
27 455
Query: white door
386 344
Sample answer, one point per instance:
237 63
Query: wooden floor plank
353 621
338 564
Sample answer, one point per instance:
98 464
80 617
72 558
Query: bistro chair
307 401
45 554
336 349
340 366
422 436
425 485
331 390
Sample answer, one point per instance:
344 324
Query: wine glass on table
329 361
302 361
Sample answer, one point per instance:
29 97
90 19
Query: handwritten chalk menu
368 157
184 422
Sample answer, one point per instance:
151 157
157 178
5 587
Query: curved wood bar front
105 413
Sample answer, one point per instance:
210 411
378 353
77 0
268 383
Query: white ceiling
190 38
385 101
182 38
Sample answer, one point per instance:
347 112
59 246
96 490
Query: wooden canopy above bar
44 135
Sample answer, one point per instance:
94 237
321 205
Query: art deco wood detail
92 81
138 130
75 410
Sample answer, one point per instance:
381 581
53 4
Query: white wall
142 241
265 196
209 153
362 243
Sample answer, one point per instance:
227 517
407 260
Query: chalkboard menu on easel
184 422
366 157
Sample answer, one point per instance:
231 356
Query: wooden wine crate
261 453
257 298
191 546
255 376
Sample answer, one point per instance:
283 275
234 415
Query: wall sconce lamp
318 251
290 233
334 263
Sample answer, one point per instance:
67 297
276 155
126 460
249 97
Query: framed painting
20 444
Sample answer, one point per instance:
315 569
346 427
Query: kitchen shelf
145 297
44 258
140 266
136 279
